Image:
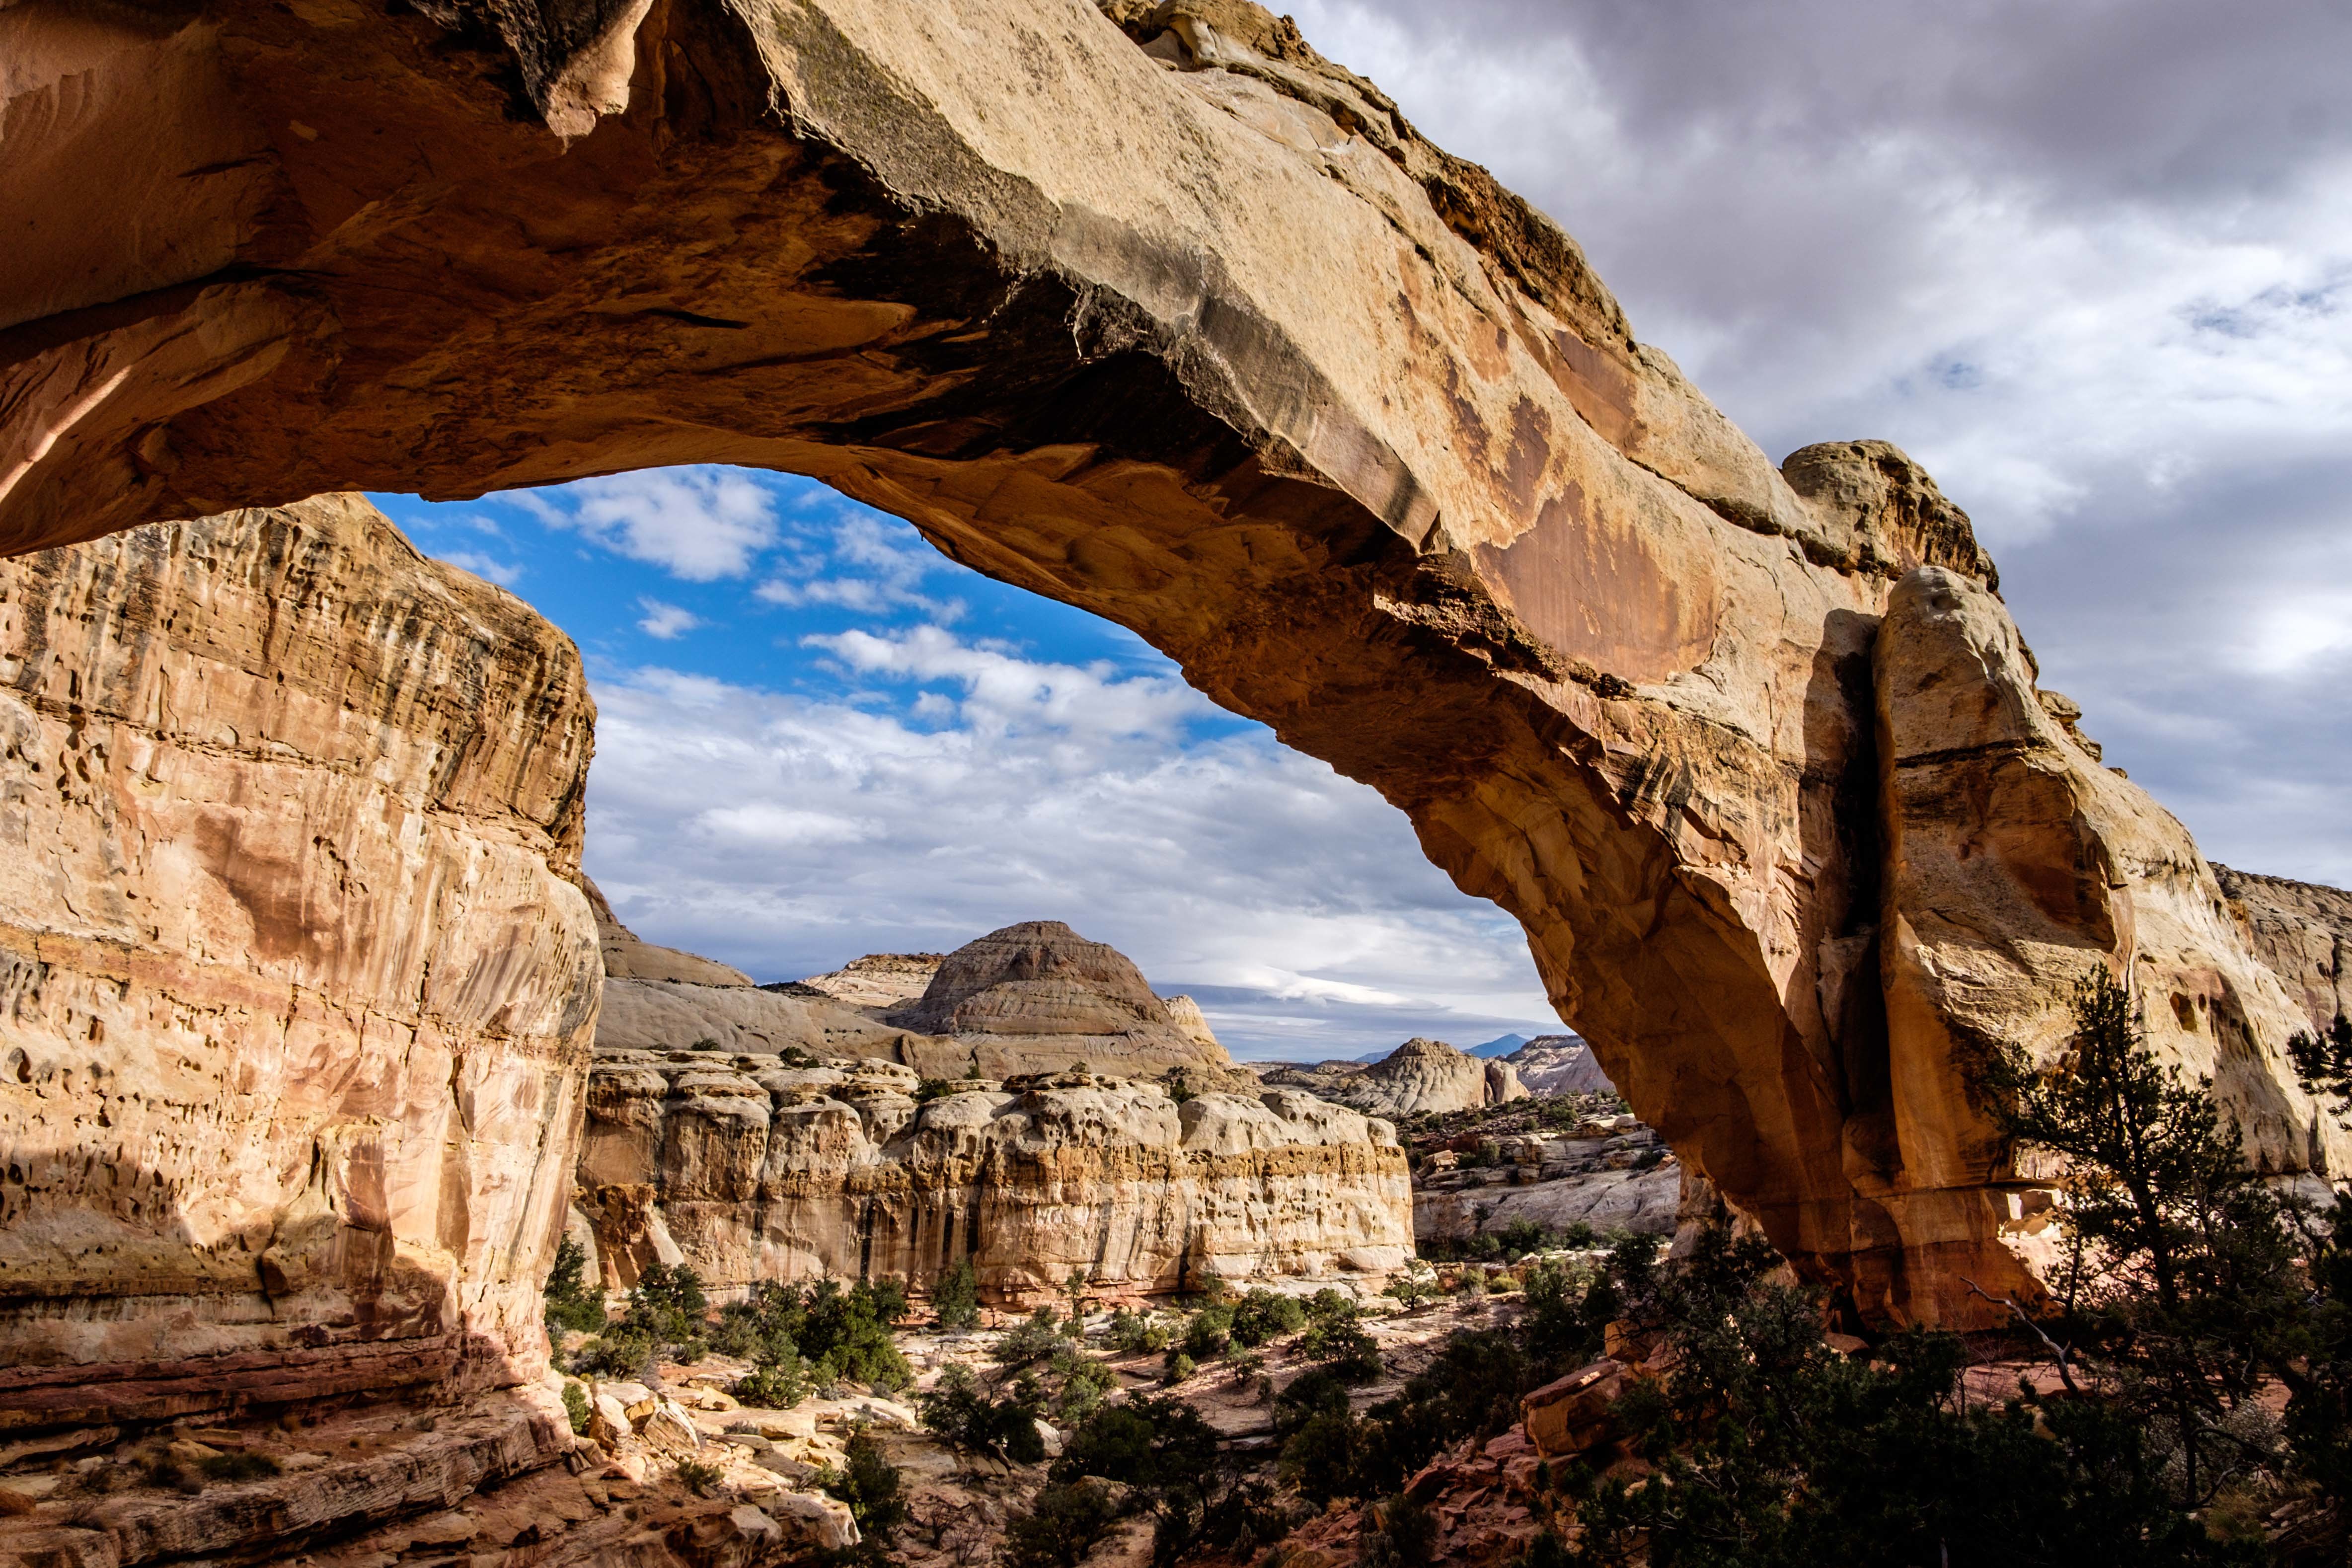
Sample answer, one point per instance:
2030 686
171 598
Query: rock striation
1039 998
749 1170
299 988
1152 309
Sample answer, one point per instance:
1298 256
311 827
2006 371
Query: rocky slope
2304 931
880 981
298 989
749 1170
1039 998
1560 1064
1607 1171
1152 309
629 958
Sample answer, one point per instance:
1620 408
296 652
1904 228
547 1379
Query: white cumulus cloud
699 524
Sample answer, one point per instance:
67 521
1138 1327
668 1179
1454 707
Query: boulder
1572 1414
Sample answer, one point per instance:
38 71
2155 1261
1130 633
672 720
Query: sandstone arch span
1149 309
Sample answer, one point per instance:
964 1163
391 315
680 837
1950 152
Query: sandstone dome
1037 997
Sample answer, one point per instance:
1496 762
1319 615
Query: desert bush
576 1407
570 1303
1033 1339
872 1487
1061 1526
1263 1314
778 1383
620 1352
237 1465
1130 1331
961 1412
955 1298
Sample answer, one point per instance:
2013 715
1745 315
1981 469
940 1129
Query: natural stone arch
1182 325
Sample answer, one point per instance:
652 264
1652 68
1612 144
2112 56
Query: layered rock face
1151 309
298 989
1039 998
748 1171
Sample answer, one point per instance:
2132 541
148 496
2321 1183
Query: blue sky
819 737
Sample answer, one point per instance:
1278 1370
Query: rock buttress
298 989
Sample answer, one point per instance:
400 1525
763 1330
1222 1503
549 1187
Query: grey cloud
2089 262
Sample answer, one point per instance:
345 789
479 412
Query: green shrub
955 1299
620 1353
960 1411
699 1477
1209 1330
872 1487
576 1407
1132 1332
1312 1393
1181 1366
1084 1382
1061 1527
1401 1533
823 1333
570 1303
707 1043
667 1305
1161 1448
1261 1314
1334 1339
1031 1340
777 1385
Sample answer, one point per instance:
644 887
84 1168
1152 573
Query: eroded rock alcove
1152 309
